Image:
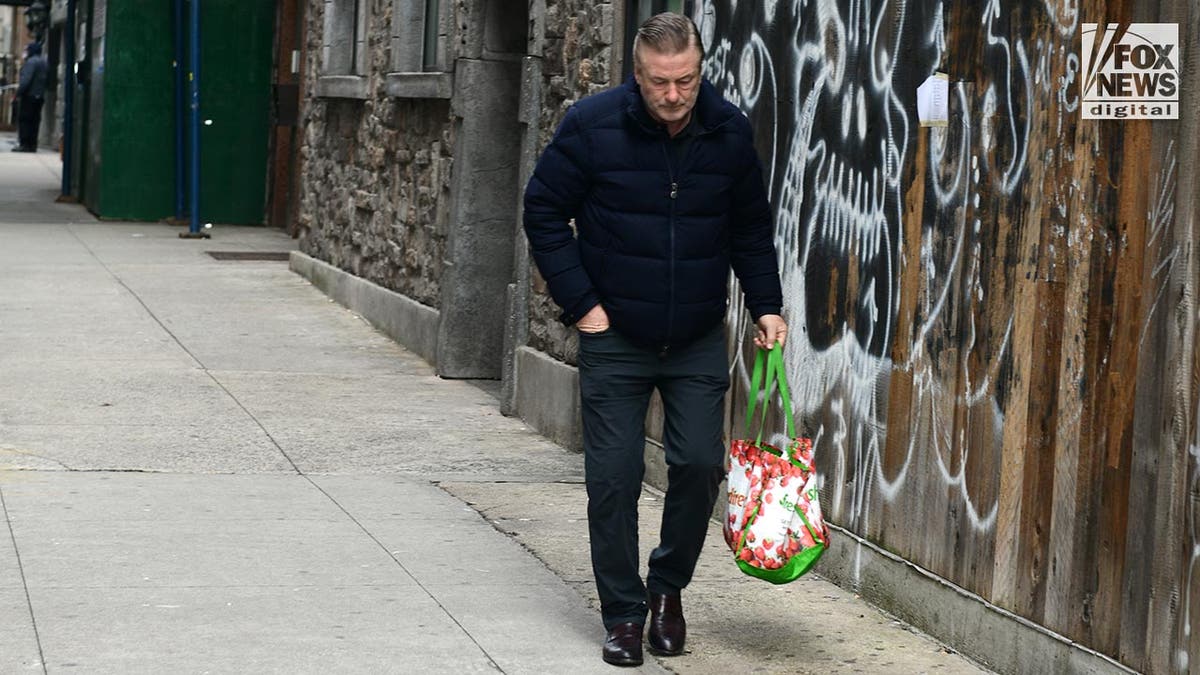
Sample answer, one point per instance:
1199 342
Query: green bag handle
756 380
774 370
784 393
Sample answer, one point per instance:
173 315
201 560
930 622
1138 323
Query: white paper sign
933 97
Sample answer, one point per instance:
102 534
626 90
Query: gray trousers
616 380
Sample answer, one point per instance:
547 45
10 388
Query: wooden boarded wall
994 324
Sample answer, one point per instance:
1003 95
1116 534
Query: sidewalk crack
449 615
24 582
187 351
26 453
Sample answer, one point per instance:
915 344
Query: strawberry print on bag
773 521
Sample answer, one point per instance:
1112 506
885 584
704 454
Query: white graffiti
1065 14
828 89
1160 217
1015 169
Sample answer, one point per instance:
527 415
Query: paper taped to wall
933 101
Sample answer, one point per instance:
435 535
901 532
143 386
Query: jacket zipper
671 228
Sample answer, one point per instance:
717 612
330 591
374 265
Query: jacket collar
710 111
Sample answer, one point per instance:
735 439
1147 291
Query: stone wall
578 60
376 173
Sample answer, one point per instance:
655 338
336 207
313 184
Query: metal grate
265 256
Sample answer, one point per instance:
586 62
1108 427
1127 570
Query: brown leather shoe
668 630
623 645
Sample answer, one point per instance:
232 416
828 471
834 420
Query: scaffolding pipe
194 121
68 154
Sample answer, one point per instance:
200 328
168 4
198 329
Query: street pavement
207 466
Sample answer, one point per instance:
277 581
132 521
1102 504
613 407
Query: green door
236 38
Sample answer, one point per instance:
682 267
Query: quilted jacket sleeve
559 184
25 77
753 241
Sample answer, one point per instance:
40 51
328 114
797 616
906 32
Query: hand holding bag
773 521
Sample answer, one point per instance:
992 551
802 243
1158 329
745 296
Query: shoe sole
662 652
624 664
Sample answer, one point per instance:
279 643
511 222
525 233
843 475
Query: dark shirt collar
691 129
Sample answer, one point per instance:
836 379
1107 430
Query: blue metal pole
194 34
68 101
180 115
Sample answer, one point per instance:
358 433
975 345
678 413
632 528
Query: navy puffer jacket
655 242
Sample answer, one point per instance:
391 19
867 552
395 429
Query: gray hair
667 33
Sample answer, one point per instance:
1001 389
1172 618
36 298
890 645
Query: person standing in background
31 93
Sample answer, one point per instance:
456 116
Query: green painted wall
235 93
137 146
130 163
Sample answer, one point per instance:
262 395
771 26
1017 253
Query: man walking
662 180
31 92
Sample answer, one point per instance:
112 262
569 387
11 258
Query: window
345 37
344 51
419 35
420 63
431 56
636 13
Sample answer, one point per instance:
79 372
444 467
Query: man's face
669 83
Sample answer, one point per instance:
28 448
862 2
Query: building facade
9 60
994 342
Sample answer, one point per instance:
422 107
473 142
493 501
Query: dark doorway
287 76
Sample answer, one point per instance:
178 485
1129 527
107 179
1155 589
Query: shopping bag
773 521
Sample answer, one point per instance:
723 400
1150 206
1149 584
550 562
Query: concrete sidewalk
207 466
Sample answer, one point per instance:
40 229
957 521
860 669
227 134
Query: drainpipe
194 230
68 158
180 117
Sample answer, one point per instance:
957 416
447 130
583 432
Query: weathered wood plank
1115 392
1104 244
1046 198
937 362
1173 641
1152 419
1017 304
911 452
1071 434
898 447
1016 403
989 221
